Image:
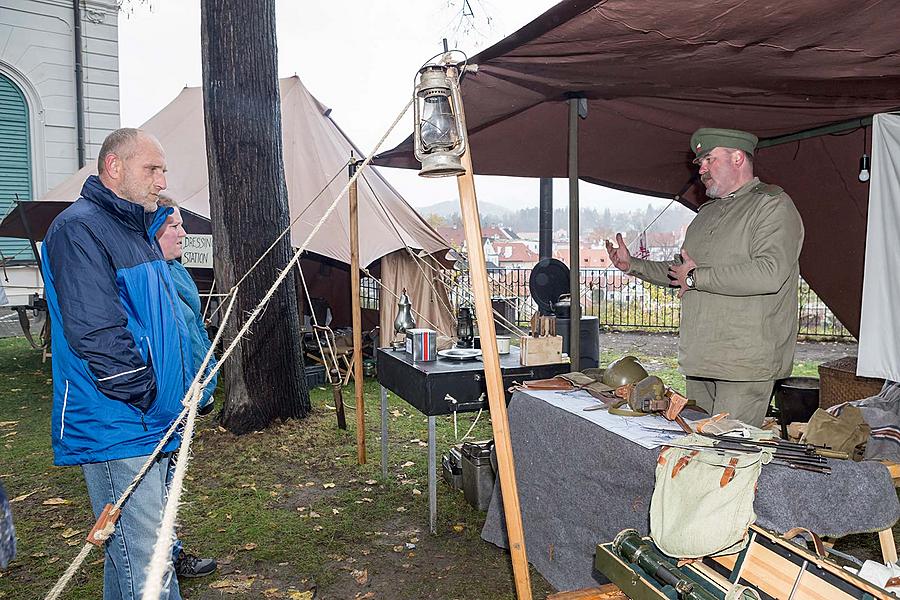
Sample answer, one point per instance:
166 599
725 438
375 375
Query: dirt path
666 344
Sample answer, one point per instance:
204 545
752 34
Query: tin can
422 344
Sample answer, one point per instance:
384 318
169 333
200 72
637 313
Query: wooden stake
493 378
357 321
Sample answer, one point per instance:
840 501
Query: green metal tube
630 546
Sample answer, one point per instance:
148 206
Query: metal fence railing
623 302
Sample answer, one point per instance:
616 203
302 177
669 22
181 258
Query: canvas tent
654 71
316 151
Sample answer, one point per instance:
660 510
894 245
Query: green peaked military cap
707 138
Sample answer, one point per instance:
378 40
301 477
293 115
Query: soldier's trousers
745 401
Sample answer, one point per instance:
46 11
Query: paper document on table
650 431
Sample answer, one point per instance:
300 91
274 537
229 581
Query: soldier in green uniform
737 278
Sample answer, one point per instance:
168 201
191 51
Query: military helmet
624 371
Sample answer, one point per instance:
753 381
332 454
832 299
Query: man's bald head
132 165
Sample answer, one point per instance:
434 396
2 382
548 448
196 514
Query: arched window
15 161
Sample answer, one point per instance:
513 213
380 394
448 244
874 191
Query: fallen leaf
417 492
8 423
408 463
272 593
314 515
399 548
395 413
361 577
371 482
23 496
307 595
401 509
57 525
318 528
10 434
73 542
69 532
366 596
55 501
458 527
250 546
53 560
415 441
327 485
38 555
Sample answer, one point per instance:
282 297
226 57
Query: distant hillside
451 207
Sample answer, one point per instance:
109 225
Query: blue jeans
129 549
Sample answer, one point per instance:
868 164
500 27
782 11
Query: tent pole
493 379
816 132
545 237
574 240
357 320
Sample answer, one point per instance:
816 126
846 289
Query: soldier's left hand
678 272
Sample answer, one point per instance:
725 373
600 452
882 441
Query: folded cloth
882 414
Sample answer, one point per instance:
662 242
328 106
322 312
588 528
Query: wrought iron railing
623 302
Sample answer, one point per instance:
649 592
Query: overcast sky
358 57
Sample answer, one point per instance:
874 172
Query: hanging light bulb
864 168
864 161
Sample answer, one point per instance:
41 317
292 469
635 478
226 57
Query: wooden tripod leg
493 377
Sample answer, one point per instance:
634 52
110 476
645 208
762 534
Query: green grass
248 502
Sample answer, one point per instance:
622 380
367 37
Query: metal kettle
404 320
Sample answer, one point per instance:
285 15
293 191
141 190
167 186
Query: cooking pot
796 399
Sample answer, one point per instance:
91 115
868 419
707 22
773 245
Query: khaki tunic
739 323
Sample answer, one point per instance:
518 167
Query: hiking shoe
190 566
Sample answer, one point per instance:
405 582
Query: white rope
57 589
162 554
63 581
160 563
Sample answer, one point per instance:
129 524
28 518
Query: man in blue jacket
121 349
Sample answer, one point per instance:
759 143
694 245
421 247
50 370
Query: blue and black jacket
121 350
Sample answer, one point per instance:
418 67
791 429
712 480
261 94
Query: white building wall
37 51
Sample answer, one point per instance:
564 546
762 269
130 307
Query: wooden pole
493 378
357 321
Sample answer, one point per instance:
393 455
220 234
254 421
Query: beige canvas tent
315 151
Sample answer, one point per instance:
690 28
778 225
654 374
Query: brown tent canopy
654 71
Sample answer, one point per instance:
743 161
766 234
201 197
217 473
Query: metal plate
460 353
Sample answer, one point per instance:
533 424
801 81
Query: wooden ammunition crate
838 383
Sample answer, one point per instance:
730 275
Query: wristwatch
689 279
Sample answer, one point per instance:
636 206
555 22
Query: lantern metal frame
439 161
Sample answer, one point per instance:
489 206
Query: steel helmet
623 371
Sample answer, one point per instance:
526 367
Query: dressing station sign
197 251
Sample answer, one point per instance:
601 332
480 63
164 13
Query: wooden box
540 350
838 383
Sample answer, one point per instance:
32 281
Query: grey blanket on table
580 485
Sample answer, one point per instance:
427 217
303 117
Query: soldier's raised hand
619 256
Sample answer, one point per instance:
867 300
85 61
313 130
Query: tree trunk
264 376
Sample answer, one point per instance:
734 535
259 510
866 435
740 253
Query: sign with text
197 251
